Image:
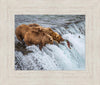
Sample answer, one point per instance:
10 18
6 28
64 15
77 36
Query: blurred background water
56 56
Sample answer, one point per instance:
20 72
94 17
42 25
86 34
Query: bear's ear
50 29
56 34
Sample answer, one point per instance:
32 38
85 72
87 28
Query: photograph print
49 42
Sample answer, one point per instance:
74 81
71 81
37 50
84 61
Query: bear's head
58 37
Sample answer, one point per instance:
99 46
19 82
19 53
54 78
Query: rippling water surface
56 56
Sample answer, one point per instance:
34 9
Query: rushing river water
55 56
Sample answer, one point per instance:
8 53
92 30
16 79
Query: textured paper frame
9 76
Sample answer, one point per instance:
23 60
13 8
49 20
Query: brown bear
20 31
37 38
54 35
35 27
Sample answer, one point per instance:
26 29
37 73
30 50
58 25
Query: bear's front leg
27 43
23 42
40 46
19 38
